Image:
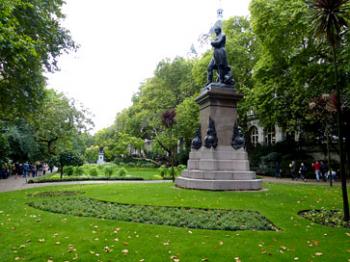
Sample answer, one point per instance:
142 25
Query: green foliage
108 171
78 171
32 38
163 171
180 168
59 124
93 171
68 170
292 66
215 219
122 172
68 158
326 217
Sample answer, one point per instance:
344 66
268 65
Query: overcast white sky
122 42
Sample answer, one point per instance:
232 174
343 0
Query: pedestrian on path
26 168
317 169
302 171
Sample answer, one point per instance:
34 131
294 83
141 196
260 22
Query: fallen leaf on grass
41 240
107 249
175 259
318 254
71 248
125 252
296 258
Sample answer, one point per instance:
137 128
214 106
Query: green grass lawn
28 234
146 173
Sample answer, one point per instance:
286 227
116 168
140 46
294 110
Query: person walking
323 170
26 170
317 169
302 171
292 169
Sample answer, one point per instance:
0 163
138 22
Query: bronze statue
211 139
219 60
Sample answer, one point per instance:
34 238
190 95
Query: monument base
222 167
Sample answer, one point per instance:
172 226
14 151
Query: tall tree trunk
329 158
340 138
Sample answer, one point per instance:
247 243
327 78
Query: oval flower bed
215 219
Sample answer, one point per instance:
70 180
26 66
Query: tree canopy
31 40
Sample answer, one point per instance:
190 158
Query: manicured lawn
29 234
146 173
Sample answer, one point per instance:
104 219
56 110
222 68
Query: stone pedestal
220 168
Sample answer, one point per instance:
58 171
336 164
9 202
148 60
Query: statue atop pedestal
101 156
219 62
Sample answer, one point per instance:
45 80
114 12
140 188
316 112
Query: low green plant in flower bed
325 217
55 193
215 219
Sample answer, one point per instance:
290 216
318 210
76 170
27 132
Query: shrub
180 168
108 171
68 170
121 172
93 172
78 171
100 167
162 171
172 172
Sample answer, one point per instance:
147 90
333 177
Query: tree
31 39
68 158
58 123
330 20
187 120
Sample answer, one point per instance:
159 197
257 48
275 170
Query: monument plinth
217 160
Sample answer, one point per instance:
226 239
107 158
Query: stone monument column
218 160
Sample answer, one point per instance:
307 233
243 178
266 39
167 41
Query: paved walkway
13 183
299 181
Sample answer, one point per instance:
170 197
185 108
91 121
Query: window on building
254 136
270 136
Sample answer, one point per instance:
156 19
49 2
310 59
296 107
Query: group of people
25 169
320 169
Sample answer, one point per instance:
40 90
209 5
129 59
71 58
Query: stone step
218 165
218 185
219 175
